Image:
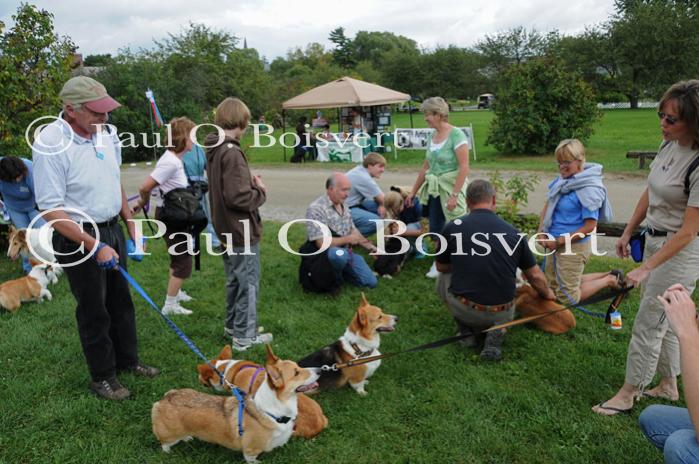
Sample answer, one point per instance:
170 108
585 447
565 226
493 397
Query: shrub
538 104
512 195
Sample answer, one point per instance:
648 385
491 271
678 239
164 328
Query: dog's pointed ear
226 353
274 376
206 374
271 357
22 234
361 316
12 229
363 301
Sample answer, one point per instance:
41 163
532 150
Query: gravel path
292 188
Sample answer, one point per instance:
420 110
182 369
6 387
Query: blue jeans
363 217
670 429
436 215
21 220
351 267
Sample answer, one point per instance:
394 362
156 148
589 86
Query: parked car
485 101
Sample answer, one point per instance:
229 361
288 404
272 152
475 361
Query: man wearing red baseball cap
77 173
86 104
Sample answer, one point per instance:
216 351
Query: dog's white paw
188 438
387 276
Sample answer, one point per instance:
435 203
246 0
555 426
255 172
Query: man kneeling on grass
478 270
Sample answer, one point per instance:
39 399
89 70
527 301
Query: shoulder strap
690 170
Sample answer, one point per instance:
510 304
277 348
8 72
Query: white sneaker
175 309
182 296
242 344
433 273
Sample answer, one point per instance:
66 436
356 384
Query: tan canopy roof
345 92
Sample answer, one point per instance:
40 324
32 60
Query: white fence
626 105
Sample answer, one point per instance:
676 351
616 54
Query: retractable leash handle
614 305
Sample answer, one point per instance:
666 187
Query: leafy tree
34 65
646 46
98 60
343 54
540 103
514 46
654 44
453 72
372 46
190 73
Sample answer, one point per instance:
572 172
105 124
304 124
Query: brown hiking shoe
144 371
110 390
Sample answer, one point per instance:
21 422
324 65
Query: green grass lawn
617 132
443 405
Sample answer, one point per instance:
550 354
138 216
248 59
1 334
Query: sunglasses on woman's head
670 119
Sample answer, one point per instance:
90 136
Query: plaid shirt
322 210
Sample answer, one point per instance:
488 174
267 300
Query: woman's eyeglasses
669 119
565 164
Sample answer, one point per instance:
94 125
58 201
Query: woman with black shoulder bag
179 210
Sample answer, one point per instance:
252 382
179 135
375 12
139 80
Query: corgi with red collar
267 419
361 339
248 377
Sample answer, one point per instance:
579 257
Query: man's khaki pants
565 278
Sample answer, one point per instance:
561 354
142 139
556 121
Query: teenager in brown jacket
236 196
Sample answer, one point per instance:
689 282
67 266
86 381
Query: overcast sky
275 26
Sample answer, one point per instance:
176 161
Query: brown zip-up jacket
232 194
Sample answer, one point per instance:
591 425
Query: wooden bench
642 157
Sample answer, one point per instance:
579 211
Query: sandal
620 278
613 411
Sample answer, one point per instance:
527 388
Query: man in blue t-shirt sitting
365 200
478 269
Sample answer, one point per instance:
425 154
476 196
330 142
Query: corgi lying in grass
361 339
29 288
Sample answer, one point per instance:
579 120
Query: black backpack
316 273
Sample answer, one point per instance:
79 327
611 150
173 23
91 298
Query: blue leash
239 395
573 304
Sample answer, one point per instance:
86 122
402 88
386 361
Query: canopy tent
345 92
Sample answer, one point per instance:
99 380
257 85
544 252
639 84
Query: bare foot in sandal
622 402
666 389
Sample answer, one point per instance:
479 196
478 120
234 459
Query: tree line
642 48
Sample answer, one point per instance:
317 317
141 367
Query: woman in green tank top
442 180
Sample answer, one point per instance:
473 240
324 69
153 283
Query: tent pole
339 121
283 131
410 112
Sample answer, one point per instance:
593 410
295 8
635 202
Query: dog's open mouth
305 388
385 329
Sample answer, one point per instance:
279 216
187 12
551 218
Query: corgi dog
248 377
36 244
268 419
29 288
361 339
